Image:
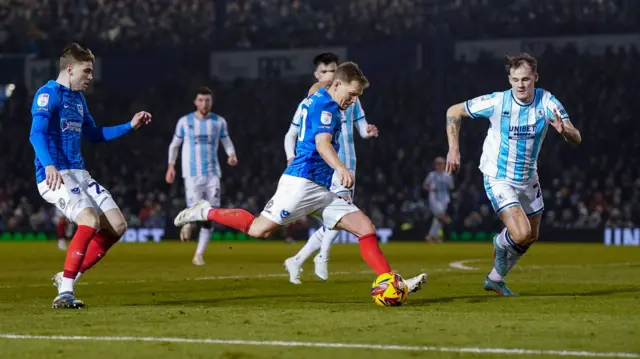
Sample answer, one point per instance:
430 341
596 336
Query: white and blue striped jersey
200 139
347 151
440 185
515 134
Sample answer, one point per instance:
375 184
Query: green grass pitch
574 298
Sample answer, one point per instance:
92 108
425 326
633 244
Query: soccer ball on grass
389 290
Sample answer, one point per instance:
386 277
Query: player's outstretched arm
94 133
455 114
330 156
565 128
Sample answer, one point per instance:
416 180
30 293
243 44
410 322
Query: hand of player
453 161
557 122
171 174
232 160
346 177
139 119
372 130
289 160
54 179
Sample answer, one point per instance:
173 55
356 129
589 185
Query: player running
326 63
439 184
519 119
201 131
60 119
304 187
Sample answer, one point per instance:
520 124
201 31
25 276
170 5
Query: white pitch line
462 264
504 351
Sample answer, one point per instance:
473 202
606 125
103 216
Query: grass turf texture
573 297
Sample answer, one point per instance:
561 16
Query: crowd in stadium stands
117 25
594 185
597 184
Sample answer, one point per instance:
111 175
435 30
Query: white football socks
313 244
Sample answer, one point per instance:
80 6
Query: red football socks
235 218
77 249
100 244
372 254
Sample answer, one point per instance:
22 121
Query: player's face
203 103
325 72
347 93
80 75
523 81
439 165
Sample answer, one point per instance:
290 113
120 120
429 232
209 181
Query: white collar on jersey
535 93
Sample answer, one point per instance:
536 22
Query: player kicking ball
60 120
304 187
354 116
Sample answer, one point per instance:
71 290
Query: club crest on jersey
284 214
539 113
43 99
80 110
325 117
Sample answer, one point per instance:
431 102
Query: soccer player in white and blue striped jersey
354 116
519 118
199 133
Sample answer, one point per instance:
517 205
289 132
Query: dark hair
325 58
75 53
349 72
204 90
514 62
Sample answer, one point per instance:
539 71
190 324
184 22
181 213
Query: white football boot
196 213
321 267
415 283
198 260
294 269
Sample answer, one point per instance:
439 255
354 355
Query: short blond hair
349 72
74 54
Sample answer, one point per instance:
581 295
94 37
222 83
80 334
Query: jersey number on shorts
97 186
303 123
539 191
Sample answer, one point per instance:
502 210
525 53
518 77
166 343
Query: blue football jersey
319 113
66 112
60 120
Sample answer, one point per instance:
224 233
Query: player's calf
88 222
361 226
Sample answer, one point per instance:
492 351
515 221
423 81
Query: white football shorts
79 191
504 194
297 197
202 187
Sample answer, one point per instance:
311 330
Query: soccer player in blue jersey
201 131
304 187
61 119
322 239
519 120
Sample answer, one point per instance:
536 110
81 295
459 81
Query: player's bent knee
120 228
357 223
262 227
88 217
